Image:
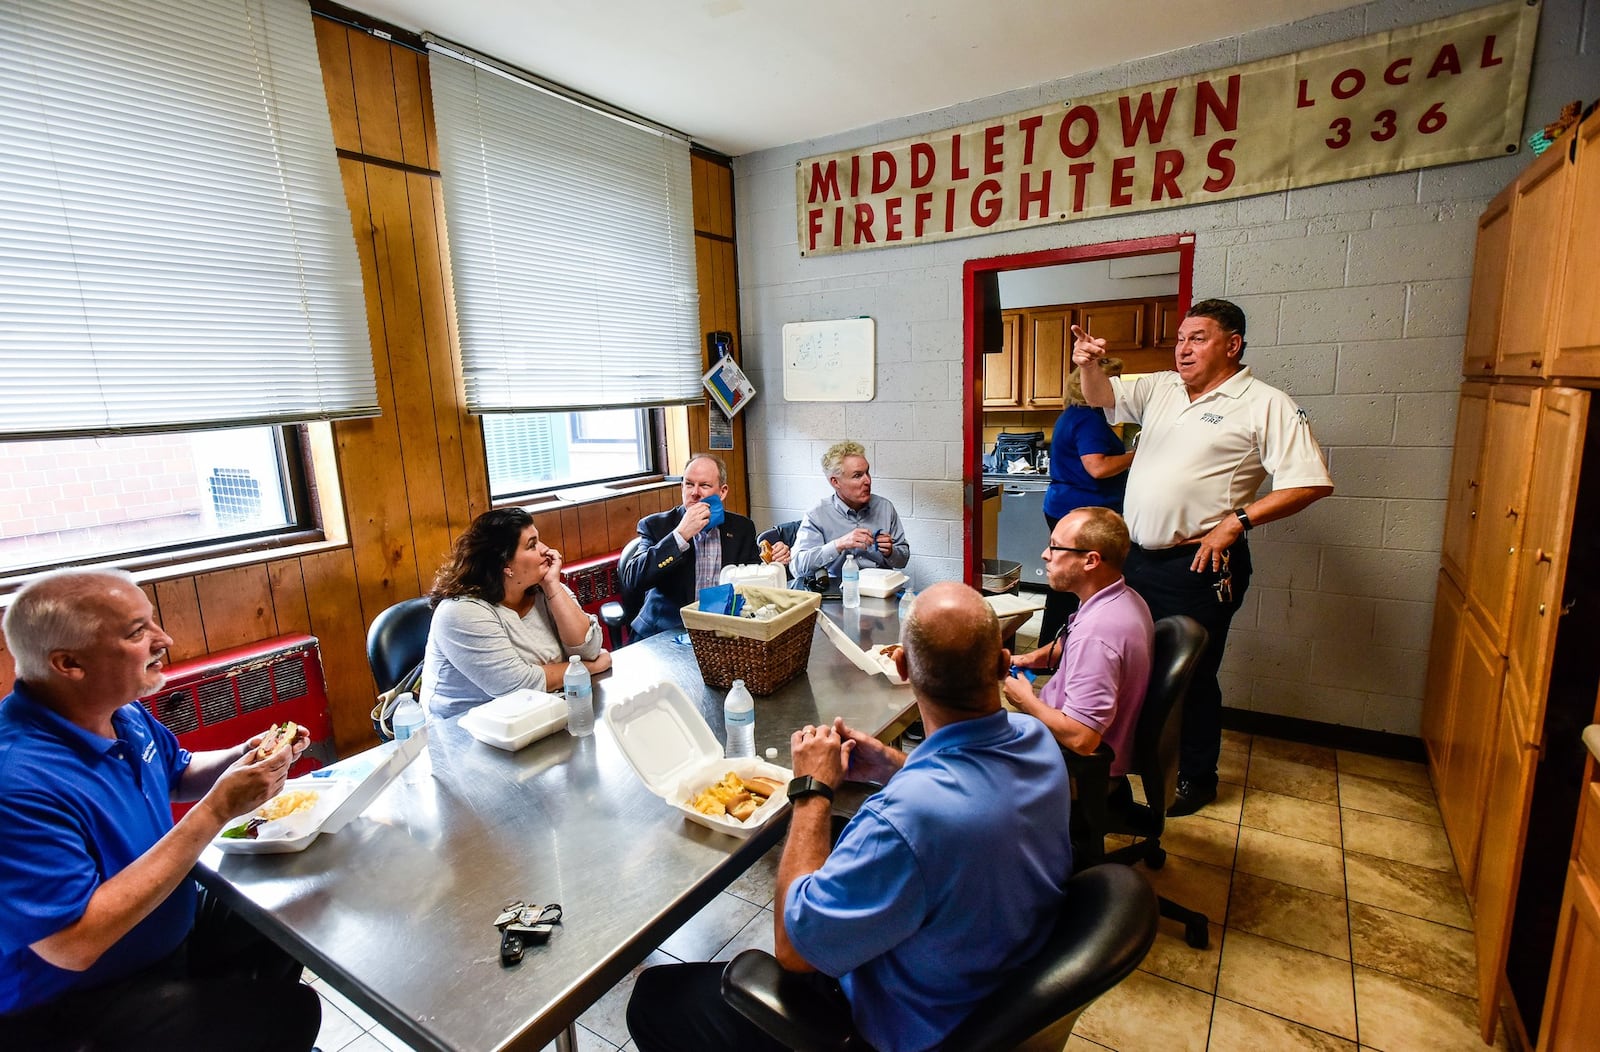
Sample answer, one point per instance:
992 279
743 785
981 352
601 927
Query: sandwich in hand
278 737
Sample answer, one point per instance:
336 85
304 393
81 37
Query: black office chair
618 614
397 640
1100 812
1106 926
784 531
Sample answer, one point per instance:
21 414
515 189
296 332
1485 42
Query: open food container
338 794
675 754
765 654
514 720
880 584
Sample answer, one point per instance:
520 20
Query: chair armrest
1091 781
788 1006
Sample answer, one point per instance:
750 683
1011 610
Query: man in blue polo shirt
105 940
945 880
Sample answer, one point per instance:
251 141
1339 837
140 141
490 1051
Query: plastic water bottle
580 699
906 597
409 719
852 583
739 721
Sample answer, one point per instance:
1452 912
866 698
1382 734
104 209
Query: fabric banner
1437 93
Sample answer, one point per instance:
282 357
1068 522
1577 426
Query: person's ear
1235 345
900 665
1005 664
65 664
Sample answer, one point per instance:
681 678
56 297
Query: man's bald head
59 611
952 641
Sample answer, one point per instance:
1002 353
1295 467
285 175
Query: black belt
1184 551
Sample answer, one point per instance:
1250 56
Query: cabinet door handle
1536 364
1511 513
1541 556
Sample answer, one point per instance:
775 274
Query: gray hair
833 459
55 612
722 465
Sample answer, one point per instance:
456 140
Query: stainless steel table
396 911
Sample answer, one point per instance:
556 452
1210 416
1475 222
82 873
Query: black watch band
1244 519
806 785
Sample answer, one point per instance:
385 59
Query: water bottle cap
574 660
738 683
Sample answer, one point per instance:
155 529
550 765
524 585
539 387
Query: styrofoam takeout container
512 721
343 791
671 748
880 583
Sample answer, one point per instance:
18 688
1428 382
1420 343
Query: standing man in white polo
1211 434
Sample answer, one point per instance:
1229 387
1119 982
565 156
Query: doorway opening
1046 291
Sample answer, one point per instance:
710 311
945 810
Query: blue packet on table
718 599
1026 673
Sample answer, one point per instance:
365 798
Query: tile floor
1338 922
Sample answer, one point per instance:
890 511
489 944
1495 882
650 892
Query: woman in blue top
1088 468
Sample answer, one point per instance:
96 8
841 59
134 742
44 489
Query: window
72 500
532 452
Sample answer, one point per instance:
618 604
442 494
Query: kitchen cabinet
1509 430
1571 1009
1476 681
1444 651
1048 359
1577 352
1461 507
1122 325
1488 284
1534 265
1001 378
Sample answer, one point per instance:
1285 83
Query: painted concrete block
1373 312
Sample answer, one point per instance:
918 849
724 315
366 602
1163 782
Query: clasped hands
833 752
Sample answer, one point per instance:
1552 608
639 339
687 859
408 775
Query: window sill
593 494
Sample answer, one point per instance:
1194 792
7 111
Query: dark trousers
1163 578
679 1008
226 988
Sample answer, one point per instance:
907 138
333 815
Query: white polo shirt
1199 460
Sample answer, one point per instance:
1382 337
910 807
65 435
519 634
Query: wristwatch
1244 520
806 785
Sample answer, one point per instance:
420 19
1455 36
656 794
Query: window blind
571 247
175 247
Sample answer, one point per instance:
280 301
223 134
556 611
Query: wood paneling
1539 238
1488 285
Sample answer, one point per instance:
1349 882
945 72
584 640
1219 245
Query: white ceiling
743 75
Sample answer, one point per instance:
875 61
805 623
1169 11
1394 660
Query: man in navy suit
682 552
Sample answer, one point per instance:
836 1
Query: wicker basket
765 654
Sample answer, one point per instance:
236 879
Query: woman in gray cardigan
502 619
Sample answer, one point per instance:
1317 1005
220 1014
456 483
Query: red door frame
974 296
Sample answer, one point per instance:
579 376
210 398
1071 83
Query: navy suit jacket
660 578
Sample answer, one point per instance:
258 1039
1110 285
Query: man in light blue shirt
851 521
945 881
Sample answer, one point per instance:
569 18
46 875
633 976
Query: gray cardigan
478 650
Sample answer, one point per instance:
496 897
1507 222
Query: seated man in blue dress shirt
851 521
105 940
946 879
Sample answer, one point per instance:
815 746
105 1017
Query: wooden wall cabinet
1488 285
1002 379
1461 508
1577 352
1535 265
1048 359
1571 1009
1476 682
1502 503
1032 368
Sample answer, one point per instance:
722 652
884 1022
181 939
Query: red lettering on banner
838 226
949 210
1302 100
863 234
1154 124
1489 58
884 170
1091 122
827 179
994 148
813 228
1122 181
957 169
1206 100
1348 83
1447 61
986 203
855 175
921 212
1169 164
1029 125
1040 196
891 219
922 164
1391 74
1079 173
1221 165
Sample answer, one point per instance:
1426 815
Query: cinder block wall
1357 301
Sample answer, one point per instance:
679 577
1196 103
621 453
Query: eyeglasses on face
1064 548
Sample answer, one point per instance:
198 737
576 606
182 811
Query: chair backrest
1178 643
397 640
784 531
632 597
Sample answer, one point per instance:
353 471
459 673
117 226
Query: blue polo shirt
944 881
1079 431
75 810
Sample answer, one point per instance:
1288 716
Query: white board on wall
829 361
